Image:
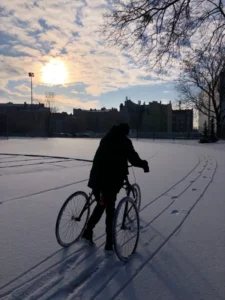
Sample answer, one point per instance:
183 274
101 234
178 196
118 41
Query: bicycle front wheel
136 191
136 195
72 219
125 229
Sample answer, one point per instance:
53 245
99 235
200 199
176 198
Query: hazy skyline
59 42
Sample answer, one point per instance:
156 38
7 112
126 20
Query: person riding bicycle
109 170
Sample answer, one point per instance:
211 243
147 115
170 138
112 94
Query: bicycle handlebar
130 166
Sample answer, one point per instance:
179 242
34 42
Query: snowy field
181 251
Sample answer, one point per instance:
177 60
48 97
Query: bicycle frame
126 186
88 204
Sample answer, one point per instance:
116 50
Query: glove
145 166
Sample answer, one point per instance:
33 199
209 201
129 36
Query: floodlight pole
31 75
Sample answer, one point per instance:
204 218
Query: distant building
12 107
23 119
63 123
3 125
96 120
183 120
151 117
143 118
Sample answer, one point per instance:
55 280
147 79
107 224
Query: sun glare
54 72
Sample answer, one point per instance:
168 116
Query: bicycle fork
125 213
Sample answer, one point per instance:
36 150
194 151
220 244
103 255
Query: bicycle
74 214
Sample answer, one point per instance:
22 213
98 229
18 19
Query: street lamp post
31 75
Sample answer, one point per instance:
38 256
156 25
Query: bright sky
59 42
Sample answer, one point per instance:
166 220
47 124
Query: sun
54 72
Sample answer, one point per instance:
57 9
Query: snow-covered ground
181 252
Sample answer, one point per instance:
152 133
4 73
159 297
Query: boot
109 244
88 236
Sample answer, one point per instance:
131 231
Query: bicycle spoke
68 226
126 229
64 225
66 230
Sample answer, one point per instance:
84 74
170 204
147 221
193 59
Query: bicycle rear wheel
72 219
125 229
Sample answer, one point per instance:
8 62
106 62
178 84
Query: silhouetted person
109 170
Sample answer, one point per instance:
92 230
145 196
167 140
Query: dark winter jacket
110 165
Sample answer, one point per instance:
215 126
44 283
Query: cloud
96 90
27 50
68 30
77 92
6 95
75 103
164 101
23 88
63 103
167 92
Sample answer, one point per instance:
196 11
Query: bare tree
50 103
198 85
158 29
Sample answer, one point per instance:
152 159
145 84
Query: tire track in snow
168 206
48 190
12 161
47 156
65 292
152 156
173 232
53 157
42 170
100 235
45 191
29 171
34 164
102 265
176 184
6 156
68 257
117 270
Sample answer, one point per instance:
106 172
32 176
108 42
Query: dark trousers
109 199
